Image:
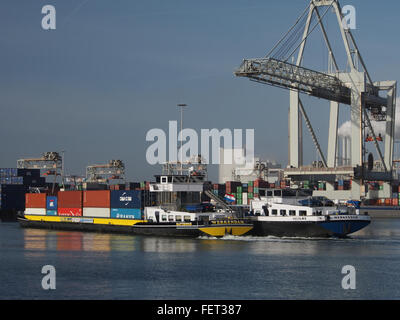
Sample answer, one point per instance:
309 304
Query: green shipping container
255 189
239 201
250 195
250 183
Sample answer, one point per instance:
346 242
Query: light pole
181 106
62 168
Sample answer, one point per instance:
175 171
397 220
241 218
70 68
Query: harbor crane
50 161
368 100
113 170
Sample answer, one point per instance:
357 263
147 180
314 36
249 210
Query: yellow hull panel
106 221
220 231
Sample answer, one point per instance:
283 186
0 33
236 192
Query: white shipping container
96 212
244 198
36 211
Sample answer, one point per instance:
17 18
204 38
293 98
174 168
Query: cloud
379 126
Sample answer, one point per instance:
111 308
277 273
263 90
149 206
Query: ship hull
134 227
308 229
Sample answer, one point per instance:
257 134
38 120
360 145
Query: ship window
283 212
292 212
269 193
164 217
274 212
164 179
302 213
170 218
186 218
178 218
277 193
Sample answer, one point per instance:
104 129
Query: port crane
103 173
368 100
51 161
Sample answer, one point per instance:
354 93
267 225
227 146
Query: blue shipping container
51 212
126 213
127 199
13 199
51 203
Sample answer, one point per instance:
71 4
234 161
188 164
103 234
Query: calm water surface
108 266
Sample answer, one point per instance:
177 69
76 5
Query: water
108 266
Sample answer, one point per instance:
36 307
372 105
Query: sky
113 70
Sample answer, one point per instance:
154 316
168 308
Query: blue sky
112 70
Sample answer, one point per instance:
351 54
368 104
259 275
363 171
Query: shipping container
12 199
132 185
35 200
51 212
96 212
34 173
96 199
69 199
51 203
126 199
94 186
36 211
69 212
119 213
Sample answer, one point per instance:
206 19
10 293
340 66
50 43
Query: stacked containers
96 203
51 206
398 202
231 186
35 204
126 204
245 198
21 176
12 197
239 195
69 203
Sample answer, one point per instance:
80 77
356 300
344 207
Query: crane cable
282 39
313 28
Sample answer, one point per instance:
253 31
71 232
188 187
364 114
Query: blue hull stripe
342 228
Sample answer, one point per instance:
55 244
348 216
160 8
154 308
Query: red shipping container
69 199
70 212
35 200
96 199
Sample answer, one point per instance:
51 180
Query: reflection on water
167 245
37 239
42 240
113 266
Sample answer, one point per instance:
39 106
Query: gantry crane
104 173
52 162
368 100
